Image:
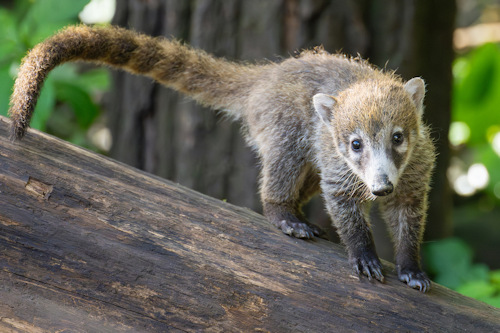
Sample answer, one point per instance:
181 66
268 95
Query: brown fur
170 63
302 116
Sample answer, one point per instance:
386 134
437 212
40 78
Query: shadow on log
91 245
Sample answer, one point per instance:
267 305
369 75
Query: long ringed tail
213 82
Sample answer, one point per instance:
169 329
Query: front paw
367 263
415 278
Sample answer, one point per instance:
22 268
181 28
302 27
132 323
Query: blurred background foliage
70 107
474 171
69 103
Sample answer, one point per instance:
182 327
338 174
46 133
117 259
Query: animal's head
375 125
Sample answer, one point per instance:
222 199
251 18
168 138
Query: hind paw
283 217
298 229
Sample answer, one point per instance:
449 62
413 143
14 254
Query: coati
317 121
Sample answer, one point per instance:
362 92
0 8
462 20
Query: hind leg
309 188
286 184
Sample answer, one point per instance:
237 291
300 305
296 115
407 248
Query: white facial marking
403 147
381 165
374 163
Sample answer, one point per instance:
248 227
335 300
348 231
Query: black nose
382 187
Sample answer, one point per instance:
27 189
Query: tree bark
89 244
161 132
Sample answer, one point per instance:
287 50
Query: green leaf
495 277
45 17
493 301
9 40
484 153
45 105
447 255
94 80
477 272
480 76
57 10
475 98
476 289
28 23
448 279
450 261
83 106
6 82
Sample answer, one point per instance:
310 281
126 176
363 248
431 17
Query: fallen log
92 245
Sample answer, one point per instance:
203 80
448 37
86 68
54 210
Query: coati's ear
416 89
323 104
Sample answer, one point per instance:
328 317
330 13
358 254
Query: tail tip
17 131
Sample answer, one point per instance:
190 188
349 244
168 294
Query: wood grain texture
91 245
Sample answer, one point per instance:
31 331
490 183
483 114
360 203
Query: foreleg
348 216
406 218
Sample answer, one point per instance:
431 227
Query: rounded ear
323 104
416 89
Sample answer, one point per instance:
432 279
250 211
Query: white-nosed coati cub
318 122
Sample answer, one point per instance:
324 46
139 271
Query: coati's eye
397 138
356 145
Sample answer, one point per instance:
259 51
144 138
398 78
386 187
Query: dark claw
356 270
366 269
415 279
298 229
378 274
369 265
286 228
316 231
289 223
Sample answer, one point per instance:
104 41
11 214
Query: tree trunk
92 245
161 132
